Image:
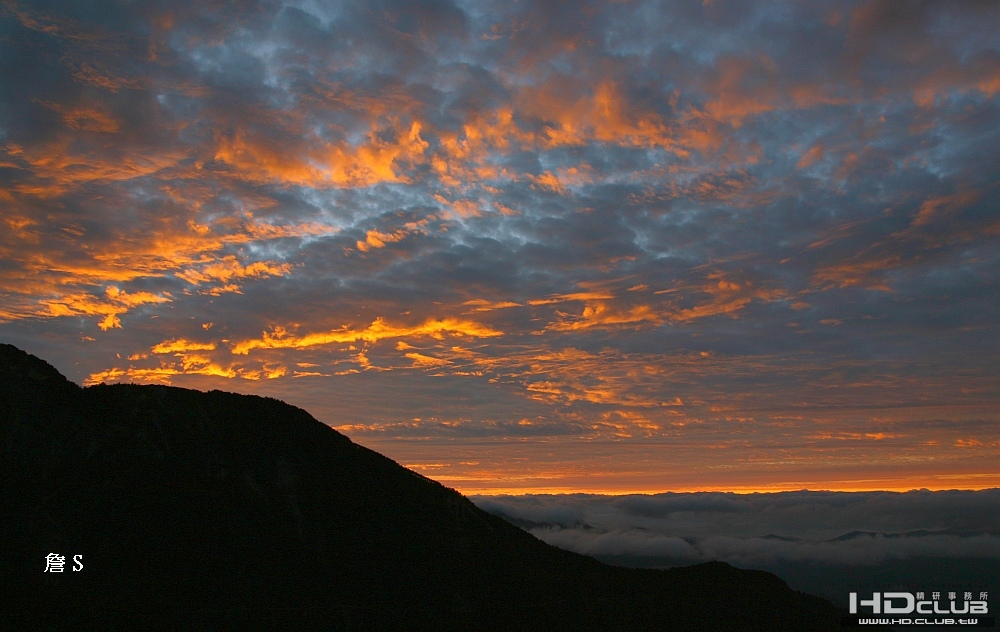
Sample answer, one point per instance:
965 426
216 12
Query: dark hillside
220 511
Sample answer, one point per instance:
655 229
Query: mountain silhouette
214 511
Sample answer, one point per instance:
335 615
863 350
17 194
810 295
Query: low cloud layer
761 530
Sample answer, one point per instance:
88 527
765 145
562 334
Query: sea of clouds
760 530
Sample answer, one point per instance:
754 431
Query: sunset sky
528 246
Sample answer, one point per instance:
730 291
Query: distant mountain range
946 563
213 511
528 525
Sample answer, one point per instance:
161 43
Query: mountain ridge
223 511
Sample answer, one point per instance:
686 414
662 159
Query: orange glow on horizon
973 482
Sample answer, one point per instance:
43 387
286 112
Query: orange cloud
270 373
83 118
58 164
424 361
549 181
377 239
937 205
115 303
461 208
815 153
857 273
568 112
186 364
857 436
50 269
181 345
90 74
601 113
229 268
322 164
728 297
297 374
603 316
575 296
482 305
573 375
745 87
279 338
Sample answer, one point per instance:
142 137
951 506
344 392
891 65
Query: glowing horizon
850 487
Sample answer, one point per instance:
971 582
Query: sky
526 246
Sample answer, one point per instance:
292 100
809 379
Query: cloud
323 164
482 305
187 364
376 239
115 303
279 338
575 296
182 346
854 529
229 269
765 230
